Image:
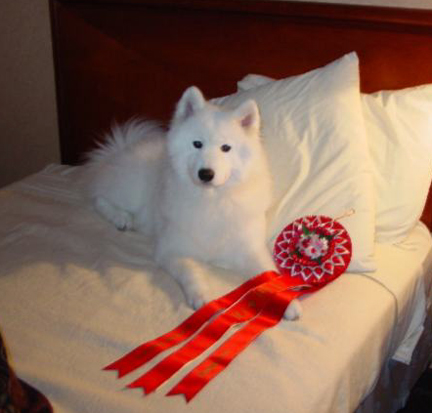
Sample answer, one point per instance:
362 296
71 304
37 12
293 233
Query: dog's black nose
206 175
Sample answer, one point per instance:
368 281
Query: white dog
201 190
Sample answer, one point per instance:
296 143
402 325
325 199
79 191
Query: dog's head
211 146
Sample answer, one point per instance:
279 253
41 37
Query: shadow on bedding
16 395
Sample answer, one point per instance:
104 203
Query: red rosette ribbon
314 248
309 253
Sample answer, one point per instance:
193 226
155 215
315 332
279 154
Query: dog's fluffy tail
123 136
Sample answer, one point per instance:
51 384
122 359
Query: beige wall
28 124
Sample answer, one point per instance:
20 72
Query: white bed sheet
75 295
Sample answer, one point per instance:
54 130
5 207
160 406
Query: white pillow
313 131
399 128
399 132
252 80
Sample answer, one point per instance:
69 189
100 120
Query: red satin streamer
193 382
147 351
263 302
247 308
272 313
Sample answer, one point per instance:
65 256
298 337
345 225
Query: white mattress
76 294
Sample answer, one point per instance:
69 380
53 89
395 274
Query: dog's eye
197 144
225 148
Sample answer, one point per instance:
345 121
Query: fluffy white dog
201 190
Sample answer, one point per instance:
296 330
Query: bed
76 294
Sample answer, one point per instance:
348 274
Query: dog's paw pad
293 311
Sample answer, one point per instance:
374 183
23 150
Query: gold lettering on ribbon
208 369
173 337
239 315
265 289
252 304
260 294
223 352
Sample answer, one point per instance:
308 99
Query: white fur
148 180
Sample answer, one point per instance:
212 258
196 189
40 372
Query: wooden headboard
115 59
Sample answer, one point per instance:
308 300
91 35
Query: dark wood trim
330 12
59 81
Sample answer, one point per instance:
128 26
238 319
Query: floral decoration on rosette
312 247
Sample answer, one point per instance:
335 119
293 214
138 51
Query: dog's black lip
206 185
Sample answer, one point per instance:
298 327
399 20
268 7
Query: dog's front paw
196 300
293 311
196 295
123 221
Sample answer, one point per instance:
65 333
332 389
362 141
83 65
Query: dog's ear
249 116
191 101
